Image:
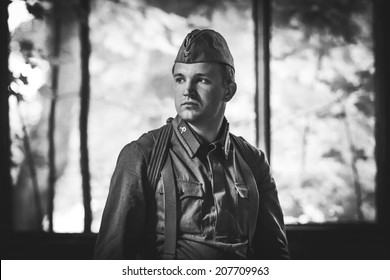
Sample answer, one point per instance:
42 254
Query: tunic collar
192 141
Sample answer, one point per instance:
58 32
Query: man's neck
209 131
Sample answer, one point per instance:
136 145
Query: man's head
204 76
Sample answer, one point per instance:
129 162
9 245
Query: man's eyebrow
203 75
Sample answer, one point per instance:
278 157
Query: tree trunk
84 110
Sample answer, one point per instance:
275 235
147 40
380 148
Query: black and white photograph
195 130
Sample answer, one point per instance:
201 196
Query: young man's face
200 93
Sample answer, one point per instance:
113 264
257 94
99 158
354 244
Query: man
213 196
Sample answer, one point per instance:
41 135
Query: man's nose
189 89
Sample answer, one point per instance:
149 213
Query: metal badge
183 129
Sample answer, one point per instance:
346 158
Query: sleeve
270 241
123 220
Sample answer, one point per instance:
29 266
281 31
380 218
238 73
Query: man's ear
230 91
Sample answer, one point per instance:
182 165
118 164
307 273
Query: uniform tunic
212 203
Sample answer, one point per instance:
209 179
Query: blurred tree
334 40
206 7
48 45
335 18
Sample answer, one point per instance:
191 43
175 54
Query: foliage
323 110
332 17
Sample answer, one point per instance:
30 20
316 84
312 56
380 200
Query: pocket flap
189 189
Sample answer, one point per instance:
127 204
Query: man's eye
203 81
179 80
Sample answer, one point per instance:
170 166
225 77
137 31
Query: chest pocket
190 198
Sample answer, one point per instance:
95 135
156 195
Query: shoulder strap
244 151
159 154
170 212
247 162
160 163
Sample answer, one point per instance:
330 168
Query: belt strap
170 230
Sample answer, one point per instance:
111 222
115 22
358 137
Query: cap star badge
186 53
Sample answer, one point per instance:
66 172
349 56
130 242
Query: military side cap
204 46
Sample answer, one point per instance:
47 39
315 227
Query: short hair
227 74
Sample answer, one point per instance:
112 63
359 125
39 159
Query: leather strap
159 154
170 229
244 155
253 197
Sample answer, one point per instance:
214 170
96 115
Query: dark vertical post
5 142
33 173
382 103
84 110
262 19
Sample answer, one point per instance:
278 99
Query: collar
192 141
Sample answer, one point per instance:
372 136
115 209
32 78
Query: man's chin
189 117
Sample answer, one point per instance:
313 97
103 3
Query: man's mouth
189 103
